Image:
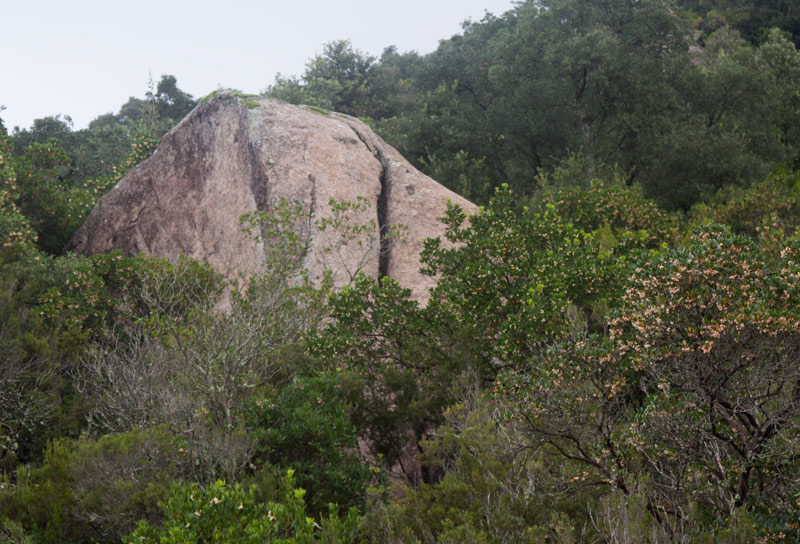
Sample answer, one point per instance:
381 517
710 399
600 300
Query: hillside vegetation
611 352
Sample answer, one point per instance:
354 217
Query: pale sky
83 58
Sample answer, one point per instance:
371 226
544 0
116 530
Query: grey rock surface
228 158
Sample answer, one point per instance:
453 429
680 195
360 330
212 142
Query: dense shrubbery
218 514
681 406
39 199
307 427
620 214
559 380
94 490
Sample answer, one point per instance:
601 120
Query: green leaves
512 277
37 182
307 427
220 514
339 79
619 216
510 285
711 327
15 227
40 200
388 353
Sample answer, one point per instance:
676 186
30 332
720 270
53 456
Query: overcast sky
83 58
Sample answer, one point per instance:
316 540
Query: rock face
233 156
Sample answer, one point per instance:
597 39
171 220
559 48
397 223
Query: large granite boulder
233 155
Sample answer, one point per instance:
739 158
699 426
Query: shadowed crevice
383 225
384 256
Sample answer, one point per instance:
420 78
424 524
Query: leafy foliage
219 514
307 428
767 212
338 79
393 372
94 490
517 281
40 201
695 386
720 352
621 212
488 491
627 87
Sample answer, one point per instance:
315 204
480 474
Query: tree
394 373
172 103
510 284
517 280
42 177
175 358
15 227
306 427
50 308
517 93
696 389
40 193
338 79
94 490
619 215
42 131
720 355
490 490
163 106
715 141
768 212
752 18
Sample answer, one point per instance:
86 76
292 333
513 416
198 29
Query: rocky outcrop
232 156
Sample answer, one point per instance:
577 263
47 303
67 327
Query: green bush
307 428
622 211
94 490
489 492
221 514
394 373
49 307
767 212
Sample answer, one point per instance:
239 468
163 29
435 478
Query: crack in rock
384 256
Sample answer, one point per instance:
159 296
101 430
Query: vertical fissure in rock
384 254
258 188
312 214
259 181
155 195
383 225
